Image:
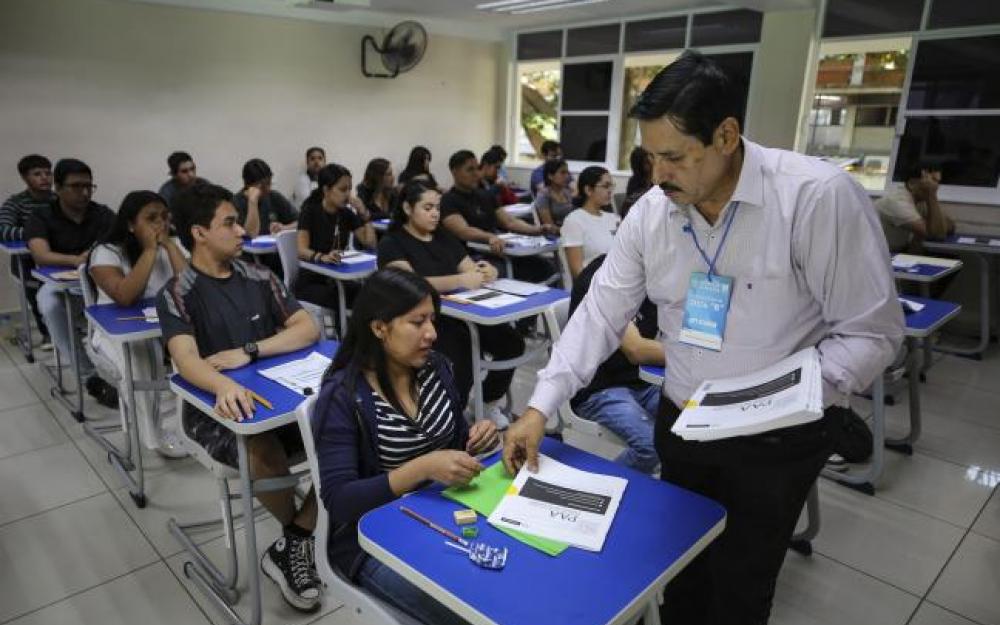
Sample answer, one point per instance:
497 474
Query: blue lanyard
694 237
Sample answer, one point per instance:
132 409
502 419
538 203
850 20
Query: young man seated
221 313
36 172
262 210
551 151
911 212
183 175
616 397
471 214
315 161
62 233
490 165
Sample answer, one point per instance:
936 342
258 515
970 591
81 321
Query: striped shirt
15 212
400 438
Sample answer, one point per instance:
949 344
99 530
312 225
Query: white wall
121 85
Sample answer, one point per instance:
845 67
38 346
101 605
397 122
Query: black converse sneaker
289 563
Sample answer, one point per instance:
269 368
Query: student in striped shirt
388 420
36 171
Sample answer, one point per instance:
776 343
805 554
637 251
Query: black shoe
289 564
105 394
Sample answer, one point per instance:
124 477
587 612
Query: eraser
464 517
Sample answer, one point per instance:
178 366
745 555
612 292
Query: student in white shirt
589 231
133 262
315 161
911 212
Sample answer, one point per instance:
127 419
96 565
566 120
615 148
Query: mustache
667 187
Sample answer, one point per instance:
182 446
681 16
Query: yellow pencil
261 400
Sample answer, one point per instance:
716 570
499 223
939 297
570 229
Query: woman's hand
451 467
483 436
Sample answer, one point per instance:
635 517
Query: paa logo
756 405
565 516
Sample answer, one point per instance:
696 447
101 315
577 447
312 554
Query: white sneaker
494 413
836 463
171 445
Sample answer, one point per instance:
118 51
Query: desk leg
510 267
127 462
250 531
59 392
24 338
477 372
984 314
865 481
905 444
341 308
925 343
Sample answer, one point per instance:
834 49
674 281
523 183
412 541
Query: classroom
500 312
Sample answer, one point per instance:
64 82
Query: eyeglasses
82 186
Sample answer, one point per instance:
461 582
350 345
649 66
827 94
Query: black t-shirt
438 257
64 235
272 207
478 207
367 196
250 305
616 370
328 231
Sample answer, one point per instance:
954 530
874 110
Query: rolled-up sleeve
598 324
845 260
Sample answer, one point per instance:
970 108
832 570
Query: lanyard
694 237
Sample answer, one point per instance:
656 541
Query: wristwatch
251 350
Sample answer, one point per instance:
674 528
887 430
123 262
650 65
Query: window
967 148
547 45
851 18
587 86
585 137
956 73
538 107
662 34
964 13
878 116
639 71
725 28
593 40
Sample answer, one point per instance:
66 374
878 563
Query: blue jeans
52 304
630 414
392 588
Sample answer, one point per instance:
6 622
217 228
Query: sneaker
495 413
171 445
105 394
289 564
836 463
46 344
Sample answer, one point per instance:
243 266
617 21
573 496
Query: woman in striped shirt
388 421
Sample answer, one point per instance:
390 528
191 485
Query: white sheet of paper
914 306
352 258
298 375
969 240
487 298
516 287
906 261
151 315
995 242
265 239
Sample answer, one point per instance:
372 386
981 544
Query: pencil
261 401
135 318
434 526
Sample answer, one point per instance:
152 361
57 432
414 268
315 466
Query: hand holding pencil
235 402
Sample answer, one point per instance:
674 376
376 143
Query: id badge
706 310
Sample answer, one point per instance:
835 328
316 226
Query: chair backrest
567 277
360 603
288 253
86 286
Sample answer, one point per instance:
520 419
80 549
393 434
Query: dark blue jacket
352 481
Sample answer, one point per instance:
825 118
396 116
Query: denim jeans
630 414
392 588
52 304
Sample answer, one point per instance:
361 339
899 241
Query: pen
434 526
135 318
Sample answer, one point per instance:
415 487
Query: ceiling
460 17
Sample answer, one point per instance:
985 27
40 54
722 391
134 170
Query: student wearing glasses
589 231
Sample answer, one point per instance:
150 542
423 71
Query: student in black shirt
262 210
325 227
376 190
418 167
183 175
219 314
616 397
63 234
471 214
416 243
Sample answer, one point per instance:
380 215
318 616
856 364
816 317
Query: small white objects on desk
485 298
910 306
150 314
967 240
353 257
522 240
300 375
264 239
516 287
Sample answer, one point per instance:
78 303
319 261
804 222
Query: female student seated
418 167
589 231
326 223
387 421
135 259
376 190
555 200
416 243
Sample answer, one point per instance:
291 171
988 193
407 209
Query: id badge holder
706 310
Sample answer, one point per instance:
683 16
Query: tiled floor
925 550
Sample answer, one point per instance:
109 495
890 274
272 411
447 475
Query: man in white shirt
911 212
796 247
315 161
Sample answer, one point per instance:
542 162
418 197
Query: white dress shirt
810 267
303 187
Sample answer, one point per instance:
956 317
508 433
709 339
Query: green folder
483 495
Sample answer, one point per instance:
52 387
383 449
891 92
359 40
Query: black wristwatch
251 350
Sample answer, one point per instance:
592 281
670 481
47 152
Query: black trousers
763 482
502 342
30 290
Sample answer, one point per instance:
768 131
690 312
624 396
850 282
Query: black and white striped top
400 438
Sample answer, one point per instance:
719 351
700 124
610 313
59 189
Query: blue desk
341 273
109 319
69 289
651 374
473 314
513 250
926 269
381 225
658 530
259 246
16 250
221 590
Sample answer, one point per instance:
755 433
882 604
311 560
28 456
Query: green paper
483 495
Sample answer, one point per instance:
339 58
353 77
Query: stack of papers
485 298
906 261
787 393
351 257
298 375
522 240
561 503
516 287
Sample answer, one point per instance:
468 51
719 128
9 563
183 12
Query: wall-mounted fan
400 51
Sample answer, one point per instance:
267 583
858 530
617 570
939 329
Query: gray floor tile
65 551
930 614
152 462
40 480
27 429
952 439
970 584
151 596
935 487
13 391
988 523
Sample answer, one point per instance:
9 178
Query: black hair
416 164
315 149
499 150
32 161
119 235
549 169
917 171
589 177
175 160
329 175
196 206
694 93
386 295
375 172
493 157
410 194
67 166
549 146
460 158
254 171
638 161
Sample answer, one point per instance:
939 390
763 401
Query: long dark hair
119 235
386 295
549 169
589 177
328 176
374 173
410 194
416 165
